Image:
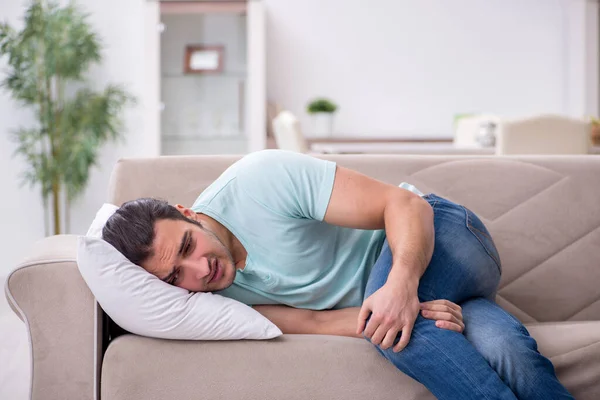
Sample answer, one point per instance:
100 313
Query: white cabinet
220 111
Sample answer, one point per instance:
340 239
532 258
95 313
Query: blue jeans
494 358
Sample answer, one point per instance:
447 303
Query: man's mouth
216 270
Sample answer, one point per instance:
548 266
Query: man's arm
359 201
295 320
342 322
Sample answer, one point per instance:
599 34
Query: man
281 228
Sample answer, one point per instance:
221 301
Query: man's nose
201 267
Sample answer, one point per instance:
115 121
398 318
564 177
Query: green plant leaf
87 122
321 105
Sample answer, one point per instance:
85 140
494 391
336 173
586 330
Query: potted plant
46 64
322 111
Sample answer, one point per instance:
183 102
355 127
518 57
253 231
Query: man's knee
508 347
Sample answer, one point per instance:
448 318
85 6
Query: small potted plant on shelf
322 111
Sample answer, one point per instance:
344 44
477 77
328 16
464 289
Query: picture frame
202 59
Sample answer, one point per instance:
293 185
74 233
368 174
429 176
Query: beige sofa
544 213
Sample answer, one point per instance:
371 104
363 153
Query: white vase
322 124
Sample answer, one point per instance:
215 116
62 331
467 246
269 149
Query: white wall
22 217
121 27
121 24
256 95
592 58
406 67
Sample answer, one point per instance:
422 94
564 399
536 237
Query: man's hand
446 314
393 308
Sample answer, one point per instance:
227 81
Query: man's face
189 256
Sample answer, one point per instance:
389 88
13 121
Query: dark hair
131 228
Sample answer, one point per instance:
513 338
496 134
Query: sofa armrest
60 313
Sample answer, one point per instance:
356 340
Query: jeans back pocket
478 229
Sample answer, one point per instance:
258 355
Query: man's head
171 243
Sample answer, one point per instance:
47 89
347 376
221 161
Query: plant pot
322 124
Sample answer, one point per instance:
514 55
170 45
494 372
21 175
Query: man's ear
185 211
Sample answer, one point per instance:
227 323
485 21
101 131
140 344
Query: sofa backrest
543 212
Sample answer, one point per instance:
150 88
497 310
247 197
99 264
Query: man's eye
189 248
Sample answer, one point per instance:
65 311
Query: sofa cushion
291 367
574 349
310 367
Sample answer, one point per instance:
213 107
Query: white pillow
142 304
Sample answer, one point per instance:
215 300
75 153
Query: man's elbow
424 207
412 201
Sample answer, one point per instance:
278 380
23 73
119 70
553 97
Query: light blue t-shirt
274 202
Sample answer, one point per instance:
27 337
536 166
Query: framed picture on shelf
201 59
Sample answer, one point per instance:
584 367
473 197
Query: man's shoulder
274 163
213 190
243 169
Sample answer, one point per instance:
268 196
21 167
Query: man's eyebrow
184 240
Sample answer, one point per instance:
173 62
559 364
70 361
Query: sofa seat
309 367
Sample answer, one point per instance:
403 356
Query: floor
14 353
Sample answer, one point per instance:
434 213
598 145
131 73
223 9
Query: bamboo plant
47 62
